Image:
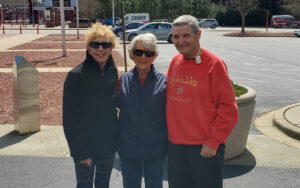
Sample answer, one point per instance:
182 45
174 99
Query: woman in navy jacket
141 99
89 110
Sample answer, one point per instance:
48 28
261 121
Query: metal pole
267 22
24 16
77 18
2 15
32 13
123 28
113 12
62 20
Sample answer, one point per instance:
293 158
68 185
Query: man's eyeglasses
137 52
97 44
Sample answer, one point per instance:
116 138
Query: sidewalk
277 148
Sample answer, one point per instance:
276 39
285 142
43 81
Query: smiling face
100 54
142 62
185 41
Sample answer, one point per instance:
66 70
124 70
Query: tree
90 9
244 7
293 6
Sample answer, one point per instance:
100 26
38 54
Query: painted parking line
250 79
255 57
277 77
282 71
249 64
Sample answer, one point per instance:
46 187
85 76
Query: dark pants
87 175
132 171
187 168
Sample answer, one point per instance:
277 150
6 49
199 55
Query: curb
282 123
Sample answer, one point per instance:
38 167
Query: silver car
211 23
162 31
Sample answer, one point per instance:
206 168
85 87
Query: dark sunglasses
137 52
97 44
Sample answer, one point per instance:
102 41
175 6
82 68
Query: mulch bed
50 58
260 34
51 83
48 46
58 39
51 88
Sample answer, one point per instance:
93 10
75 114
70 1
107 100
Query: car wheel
213 26
279 26
170 40
119 33
131 37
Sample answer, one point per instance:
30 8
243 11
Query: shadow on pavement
240 165
234 167
12 138
117 166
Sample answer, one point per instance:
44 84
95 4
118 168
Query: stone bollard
26 96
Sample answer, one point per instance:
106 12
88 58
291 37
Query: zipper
102 73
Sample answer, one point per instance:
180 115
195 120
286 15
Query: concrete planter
237 140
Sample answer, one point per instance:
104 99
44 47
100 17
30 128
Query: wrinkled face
140 58
185 41
101 53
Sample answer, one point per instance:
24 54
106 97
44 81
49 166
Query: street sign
47 15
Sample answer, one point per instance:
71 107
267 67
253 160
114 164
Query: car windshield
151 26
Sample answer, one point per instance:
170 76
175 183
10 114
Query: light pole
77 18
62 21
113 12
32 12
24 16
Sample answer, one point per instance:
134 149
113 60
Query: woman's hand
87 162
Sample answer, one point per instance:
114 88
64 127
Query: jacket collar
150 74
90 62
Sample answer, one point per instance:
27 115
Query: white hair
148 40
187 20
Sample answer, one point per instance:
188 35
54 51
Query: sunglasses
137 52
97 44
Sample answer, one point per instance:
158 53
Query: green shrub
238 90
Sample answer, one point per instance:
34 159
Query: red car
279 21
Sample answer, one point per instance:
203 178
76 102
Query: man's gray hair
187 20
148 40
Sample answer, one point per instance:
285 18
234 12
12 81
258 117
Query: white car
297 33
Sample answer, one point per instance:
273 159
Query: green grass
238 90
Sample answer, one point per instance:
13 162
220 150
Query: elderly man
201 110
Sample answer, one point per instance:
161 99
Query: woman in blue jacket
141 99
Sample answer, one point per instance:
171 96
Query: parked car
296 24
162 31
109 21
211 23
118 30
297 33
279 21
83 23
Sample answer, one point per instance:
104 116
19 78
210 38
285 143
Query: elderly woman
89 110
142 118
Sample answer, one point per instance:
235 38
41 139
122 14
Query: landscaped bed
50 83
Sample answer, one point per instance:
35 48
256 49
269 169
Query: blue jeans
87 175
132 171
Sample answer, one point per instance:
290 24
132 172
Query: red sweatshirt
201 106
